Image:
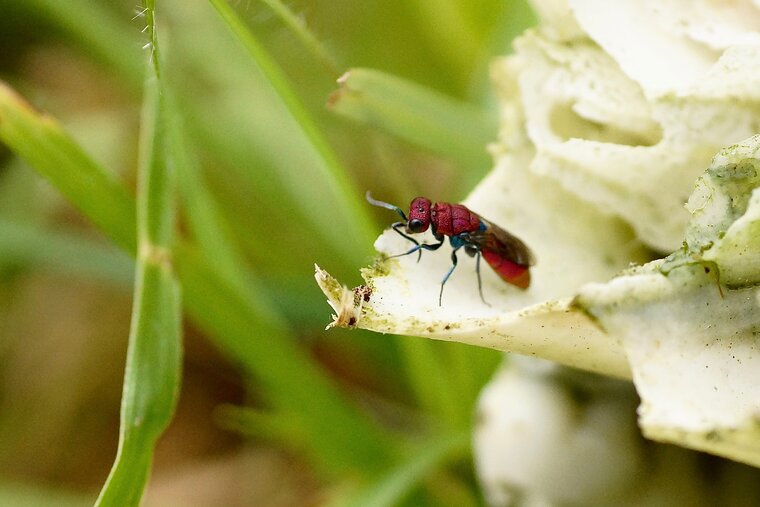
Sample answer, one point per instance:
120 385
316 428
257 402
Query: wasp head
419 215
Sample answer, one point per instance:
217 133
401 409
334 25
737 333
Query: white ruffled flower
610 114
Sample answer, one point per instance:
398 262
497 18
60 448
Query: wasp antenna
381 204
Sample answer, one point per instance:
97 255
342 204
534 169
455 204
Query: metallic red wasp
505 253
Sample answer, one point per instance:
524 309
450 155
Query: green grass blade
430 380
344 197
207 224
99 32
511 19
416 114
152 374
229 305
37 495
340 436
447 377
518 16
445 25
267 172
272 426
390 489
42 142
302 32
64 252
469 368
246 329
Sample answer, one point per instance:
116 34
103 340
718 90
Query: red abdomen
452 219
509 271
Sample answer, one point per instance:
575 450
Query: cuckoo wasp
504 252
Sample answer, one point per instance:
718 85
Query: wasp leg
445 278
473 250
395 227
480 283
418 246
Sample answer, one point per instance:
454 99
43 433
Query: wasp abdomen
510 272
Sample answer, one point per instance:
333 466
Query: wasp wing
496 240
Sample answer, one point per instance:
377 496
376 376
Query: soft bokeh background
65 292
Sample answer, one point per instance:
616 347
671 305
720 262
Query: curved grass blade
416 114
225 298
32 495
390 489
299 28
99 33
448 27
152 374
430 381
65 252
446 378
207 224
341 438
43 143
245 329
506 20
257 167
345 198
272 426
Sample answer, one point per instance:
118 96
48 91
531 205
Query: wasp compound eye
415 225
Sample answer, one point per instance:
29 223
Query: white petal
692 344
596 133
649 52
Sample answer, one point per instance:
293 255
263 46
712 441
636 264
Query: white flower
610 114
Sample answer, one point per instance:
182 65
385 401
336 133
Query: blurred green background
271 159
